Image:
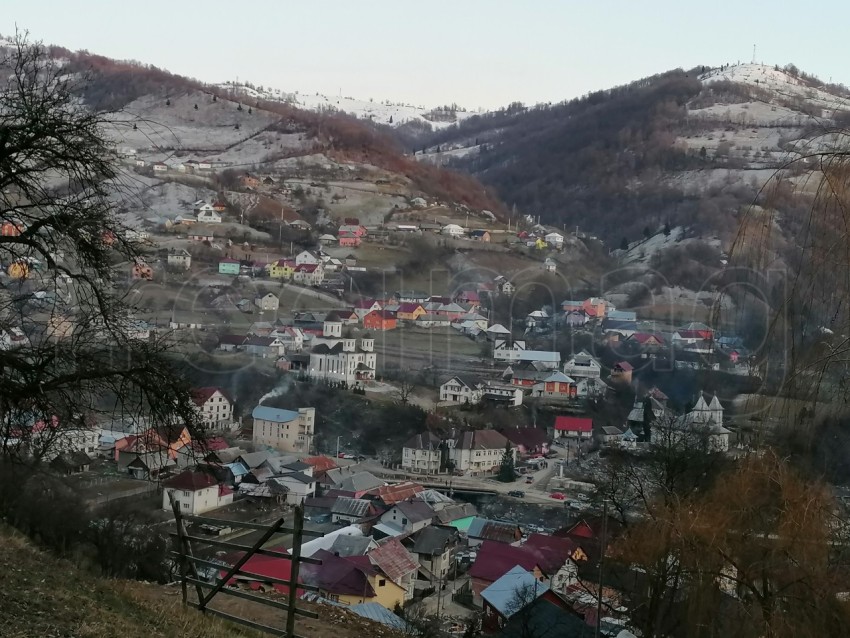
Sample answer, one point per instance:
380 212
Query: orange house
410 311
380 320
141 270
594 307
11 228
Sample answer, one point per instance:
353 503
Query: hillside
685 148
45 596
161 118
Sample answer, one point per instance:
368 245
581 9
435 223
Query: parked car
529 479
517 493
345 455
558 496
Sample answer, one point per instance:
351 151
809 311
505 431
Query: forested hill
686 148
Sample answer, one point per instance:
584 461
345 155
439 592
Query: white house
549 265
582 365
508 350
705 417
206 214
284 430
269 301
180 259
309 274
554 239
306 257
299 485
195 492
456 390
453 230
503 285
422 453
477 451
215 408
291 338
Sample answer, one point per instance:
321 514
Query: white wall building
343 360
215 407
195 493
422 453
582 365
457 390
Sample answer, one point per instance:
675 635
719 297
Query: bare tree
69 353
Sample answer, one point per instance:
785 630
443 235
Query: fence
206 590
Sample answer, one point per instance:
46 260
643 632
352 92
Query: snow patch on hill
384 112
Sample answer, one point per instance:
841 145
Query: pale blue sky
474 52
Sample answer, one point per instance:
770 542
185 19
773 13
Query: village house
351 580
201 236
249 181
453 230
494 560
503 394
228 266
528 441
284 430
195 493
349 242
573 427
480 235
704 419
422 453
575 318
409 311
550 265
206 214
458 390
159 167
281 269
406 517
179 258
264 347
352 230
308 274
396 563
554 239
582 365
215 407
434 548
621 372
555 386
647 341
306 257
477 451
380 320
268 301
504 286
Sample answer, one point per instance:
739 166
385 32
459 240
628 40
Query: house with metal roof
508 595
284 430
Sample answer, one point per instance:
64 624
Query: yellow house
18 270
410 311
540 244
352 580
281 269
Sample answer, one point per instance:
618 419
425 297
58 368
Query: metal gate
206 590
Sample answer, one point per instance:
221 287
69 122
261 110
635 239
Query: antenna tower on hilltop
754 54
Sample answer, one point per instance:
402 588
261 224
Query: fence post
185 550
293 573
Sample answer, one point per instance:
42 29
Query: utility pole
337 445
601 566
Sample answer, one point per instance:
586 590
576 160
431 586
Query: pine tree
507 474
624 244
250 110
646 232
239 107
391 119
196 107
167 102
667 229
215 99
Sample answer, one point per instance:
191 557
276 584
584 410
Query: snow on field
752 114
381 112
778 81
642 251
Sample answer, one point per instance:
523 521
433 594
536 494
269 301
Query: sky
476 53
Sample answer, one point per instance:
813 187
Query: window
382 582
404 521
332 597
185 493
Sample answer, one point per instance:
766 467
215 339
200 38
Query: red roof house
573 426
495 559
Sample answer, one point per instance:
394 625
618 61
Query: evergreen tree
507 474
702 152
215 99
196 107
167 102
250 110
624 244
667 229
646 232
391 119
239 107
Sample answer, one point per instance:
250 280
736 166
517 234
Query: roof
625 366
337 575
376 612
391 494
558 377
254 459
488 530
424 441
539 355
415 511
393 559
480 440
270 566
455 512
360 482
643 337
433 540
191 481
409 307
202 395
528 437
494 560
351 507
513 590
573 424
611 430
277 415
351 545
552 551
543 617
383 314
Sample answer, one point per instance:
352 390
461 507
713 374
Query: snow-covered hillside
778 81
384 112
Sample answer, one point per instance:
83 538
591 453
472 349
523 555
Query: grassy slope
49 597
